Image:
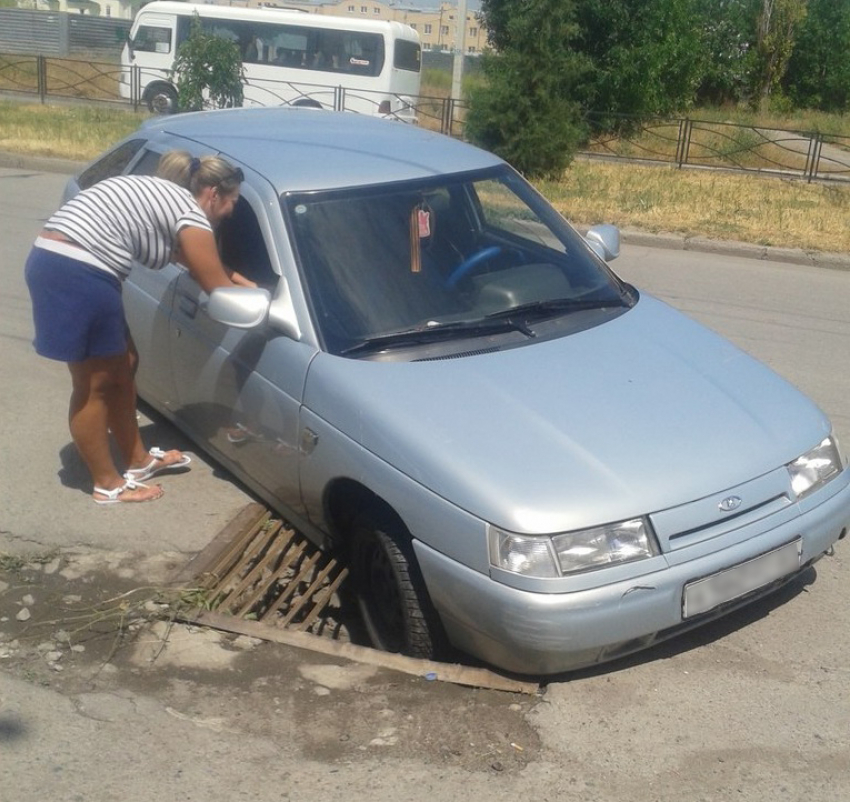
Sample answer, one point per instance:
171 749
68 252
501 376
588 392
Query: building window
414 25
351 9
473 32
427 27
363 9
444 30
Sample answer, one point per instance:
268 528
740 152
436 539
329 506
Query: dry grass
715 204
70 78
67 132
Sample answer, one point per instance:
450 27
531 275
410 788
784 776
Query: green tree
776 27
646 56
597 63
524 109
729 28
818 74
208 71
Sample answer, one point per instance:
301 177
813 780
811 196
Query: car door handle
188 306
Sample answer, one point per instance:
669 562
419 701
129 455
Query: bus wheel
161 99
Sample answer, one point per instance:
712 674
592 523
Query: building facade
437 27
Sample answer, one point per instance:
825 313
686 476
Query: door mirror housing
240 307
604 240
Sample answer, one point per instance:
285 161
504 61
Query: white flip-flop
113 496
140 474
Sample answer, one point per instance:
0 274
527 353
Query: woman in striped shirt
74 274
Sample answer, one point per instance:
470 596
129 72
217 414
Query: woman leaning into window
75 273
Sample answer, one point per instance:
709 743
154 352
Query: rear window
113 163
407 56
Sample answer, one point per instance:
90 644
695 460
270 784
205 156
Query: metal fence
53 33
101 81
684 142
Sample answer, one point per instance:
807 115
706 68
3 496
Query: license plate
705 594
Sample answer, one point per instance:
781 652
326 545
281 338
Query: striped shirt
129 218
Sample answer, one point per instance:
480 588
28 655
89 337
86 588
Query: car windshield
441 259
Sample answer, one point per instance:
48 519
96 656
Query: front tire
391 594
161 99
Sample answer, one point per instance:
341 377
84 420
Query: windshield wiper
434 331
554 307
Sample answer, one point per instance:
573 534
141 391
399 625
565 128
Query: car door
148 298
238 392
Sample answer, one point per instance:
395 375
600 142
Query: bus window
407 56
152 39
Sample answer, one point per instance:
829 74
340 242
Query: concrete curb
798 256
45 164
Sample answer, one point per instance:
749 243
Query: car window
147 163
242 246
113 163
413 255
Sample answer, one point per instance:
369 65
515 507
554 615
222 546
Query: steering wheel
471 262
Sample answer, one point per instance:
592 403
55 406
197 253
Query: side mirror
240 307
604 240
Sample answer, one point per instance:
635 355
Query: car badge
730 503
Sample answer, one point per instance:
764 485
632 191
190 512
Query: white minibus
289 57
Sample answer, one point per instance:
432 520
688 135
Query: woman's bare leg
98 401
123 421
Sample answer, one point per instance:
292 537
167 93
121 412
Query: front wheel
391 594
161 99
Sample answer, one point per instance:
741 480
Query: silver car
522 456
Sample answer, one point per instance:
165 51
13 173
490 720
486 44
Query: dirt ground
84 623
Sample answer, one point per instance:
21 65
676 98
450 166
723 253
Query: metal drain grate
264 580
272 574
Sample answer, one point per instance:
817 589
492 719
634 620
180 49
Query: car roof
313 149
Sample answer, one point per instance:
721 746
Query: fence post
447 115
813 157
41 77
339 99
683 146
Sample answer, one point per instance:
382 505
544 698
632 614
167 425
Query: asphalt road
753 708
45 488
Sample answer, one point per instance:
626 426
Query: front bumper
547 633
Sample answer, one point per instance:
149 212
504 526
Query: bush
536 130
208 71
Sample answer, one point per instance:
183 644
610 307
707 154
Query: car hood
645 412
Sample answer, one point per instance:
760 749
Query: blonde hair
195 173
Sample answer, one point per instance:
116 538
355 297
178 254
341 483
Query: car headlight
815 468
571 552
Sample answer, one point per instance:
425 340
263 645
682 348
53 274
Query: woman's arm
199 252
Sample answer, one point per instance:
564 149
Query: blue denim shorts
77 308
